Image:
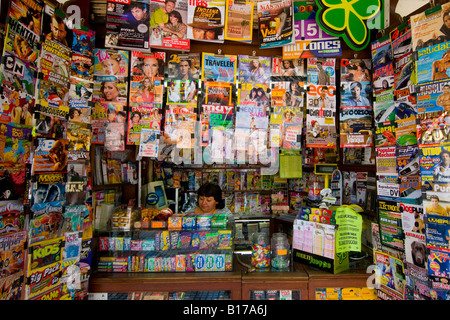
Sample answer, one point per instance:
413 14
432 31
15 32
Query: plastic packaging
260 250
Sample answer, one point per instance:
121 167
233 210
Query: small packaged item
204 222
219 221
175 222
219 262
165 240
148 244
209 263
190 262
136 245
224 239
188 222
174 239
212 239
127 244
184 240
103 243
180 263
202 240
195 241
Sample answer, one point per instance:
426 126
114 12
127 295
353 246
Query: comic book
16 145
17 75
356 126
55 63
50 155
115 136
139 117
127 25
386 161
239 21
80 100
355 70
149 143
21 42
276 23
184 66
433 162
79 136
48 188
110 89
254 94
11 216
206 21
182 91
16 107
169 30
321 71
45 221
219 68
433 96
83 41
427 27
50 16
147 64
432 127
320 118
254 69
44 266
12 253
288 67
12 286
53 93
51 119
28 13
82 67
14 186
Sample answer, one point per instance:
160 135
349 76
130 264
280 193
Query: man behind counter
209 199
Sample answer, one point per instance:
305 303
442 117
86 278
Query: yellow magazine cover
239 21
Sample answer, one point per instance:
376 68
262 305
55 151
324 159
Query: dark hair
212 190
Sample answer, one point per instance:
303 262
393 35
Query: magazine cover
54 25
12 251
82 67
12 215
239 21
18 75
28 13
110 89
80 97
206 21
140 117
436 189
218 93
276 23
437 224
109 62
79 136
174 114
321 71
386 164
383 107
21 42
14 186
433 96
102 113
385 134
220 68
390 276
356 94
320 118
51 119
254 94
147 64
50 155
405 134
149 143
404 71
432 127
251 117
83 41
54 93
215 116
428 27
46 221
182 91
288 67
55 63
355 70
184 66
17 108
144 89
168 25
356 126
76 192
256 69
290 91
432 63
127 24
435 162
48 187
16 145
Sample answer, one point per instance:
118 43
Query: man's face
434 202
39 195
58 30
446 159
169 6
198 33
356 92
138 13
446 89
184 67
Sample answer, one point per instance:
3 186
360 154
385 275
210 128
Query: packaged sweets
204 222
224 239
184 240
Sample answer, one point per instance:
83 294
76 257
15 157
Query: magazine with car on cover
184 66
276 23
168 25
127 24
239 21
206 20
255 69
356 126
220 68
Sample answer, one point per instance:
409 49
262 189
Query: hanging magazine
184 66
149 143
140 117
206 20
255 69
127 25
168 30
276 23
221 68
239 21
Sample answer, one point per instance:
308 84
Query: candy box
203 222
175 222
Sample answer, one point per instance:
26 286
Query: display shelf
101 282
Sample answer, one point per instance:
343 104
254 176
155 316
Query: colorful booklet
206 20
221 68
239 21
254 69
276 23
